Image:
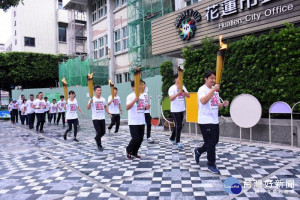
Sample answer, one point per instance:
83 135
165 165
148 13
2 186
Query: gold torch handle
66 91
90 86
137 80
180 78
112 91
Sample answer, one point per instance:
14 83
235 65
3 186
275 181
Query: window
15 13
119 78
125 37
102 8
15 32
62 34
103 46
60 4
190 2
15 23
95 49
28 41
126 77
94 13
117 40
119 3
106 45
15 42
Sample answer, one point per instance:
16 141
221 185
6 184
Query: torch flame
64 81
110 83
222 45
90 76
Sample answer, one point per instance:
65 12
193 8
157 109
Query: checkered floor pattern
44 166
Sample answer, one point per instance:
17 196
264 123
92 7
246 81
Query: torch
90 84
65 86
137 80
220 60
180 78
112 88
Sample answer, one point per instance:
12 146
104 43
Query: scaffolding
75 71
140 13
77 33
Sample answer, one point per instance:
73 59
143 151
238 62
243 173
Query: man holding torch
177 98
99 107
114 105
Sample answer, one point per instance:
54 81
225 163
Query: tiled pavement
44 166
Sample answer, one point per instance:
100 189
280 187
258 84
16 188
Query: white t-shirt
39 104
14 106
47 106
9 107
20 102
178 104
208 113
29 105
147 101
53 108
98 111
114 106
61 106
71 109
136 114
23 108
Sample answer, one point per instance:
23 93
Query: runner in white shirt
10 111
177 98
14 111
40 106
72 117
114 106
61 109
53 111
136 120
208 106
99 107
148 117
30 111
24 112
47 109
20 102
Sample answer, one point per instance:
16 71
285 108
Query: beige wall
166 41
39 24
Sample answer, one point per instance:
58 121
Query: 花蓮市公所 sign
231 18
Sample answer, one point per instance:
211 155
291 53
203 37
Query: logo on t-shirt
181 96
116 102
53 108
31 105
41 104
141 105
99 105
214 100
72 107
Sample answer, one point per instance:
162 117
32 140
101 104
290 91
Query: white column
110 38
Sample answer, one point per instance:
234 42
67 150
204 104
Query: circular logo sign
232 186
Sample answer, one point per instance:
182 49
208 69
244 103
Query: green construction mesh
75 71
140 13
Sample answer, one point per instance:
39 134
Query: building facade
120 31
45 27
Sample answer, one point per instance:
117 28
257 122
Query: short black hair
115 88
143 81
62 96
40 92
208 74
176 76
22 95
31 95
71 92
45 97
53 99
132 83
96 87
24 100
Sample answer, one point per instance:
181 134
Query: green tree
6 4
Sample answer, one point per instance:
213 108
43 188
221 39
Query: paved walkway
44 166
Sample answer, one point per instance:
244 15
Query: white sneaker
149 140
